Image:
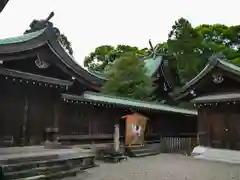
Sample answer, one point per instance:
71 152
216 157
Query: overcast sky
91 23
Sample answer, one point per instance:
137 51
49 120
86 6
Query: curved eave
79 73
3 3
219 63
66 63
22 46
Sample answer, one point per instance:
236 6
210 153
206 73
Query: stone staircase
47 165
142 151
221 155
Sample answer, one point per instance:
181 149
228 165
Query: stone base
53 163
220 155
54 145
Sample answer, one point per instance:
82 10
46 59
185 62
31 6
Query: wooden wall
171 124
86 121
27 106
219 127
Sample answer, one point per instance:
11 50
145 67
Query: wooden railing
177 145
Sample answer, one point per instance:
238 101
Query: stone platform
37 162
144 150
212 154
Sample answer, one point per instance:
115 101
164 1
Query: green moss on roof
22 38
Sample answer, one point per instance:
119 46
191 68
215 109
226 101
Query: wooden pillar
90 125
56 114
52 131
25 120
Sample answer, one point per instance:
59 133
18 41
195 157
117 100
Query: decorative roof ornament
37 25
217 78
192 92
152 52
41 64
217 56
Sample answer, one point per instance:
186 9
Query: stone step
141 150
43 169
146 154
52 176
35 164
35 172
30 158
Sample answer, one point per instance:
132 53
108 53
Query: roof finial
216 57
40 24
49 17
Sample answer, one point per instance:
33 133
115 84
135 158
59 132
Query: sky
91 23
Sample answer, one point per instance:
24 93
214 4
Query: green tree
100 58
184 45
104 56
128 78
219 38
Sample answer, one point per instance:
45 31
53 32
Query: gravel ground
163 167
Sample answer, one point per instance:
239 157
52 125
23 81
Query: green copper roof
98 74
150 63
153 64
22 38
107 99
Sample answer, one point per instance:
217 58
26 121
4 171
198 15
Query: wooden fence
177 145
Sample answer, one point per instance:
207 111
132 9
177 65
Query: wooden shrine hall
34 70
46 91
83 124
215 92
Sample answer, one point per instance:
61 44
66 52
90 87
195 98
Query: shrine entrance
224 132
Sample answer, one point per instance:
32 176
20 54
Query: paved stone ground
163 167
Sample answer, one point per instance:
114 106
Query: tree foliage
187 49
184 45
128 78
105 55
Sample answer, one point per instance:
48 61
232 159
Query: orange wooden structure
135 129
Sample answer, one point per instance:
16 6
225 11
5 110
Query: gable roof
119 101
43 37
216 61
